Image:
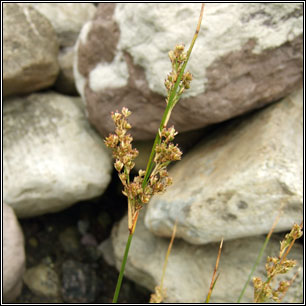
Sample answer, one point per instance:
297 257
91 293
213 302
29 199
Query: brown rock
253 59
30 50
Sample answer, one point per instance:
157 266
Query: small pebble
42 280
69 240
33 242
79 282
83 226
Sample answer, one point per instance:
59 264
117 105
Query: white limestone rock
190 267
234 182
52 157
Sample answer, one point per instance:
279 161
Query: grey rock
67 19
246 56
52 158
65 81
13 255
79 282
106 250
190 267
235 181
42 280
30 50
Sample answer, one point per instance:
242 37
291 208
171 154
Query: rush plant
155 178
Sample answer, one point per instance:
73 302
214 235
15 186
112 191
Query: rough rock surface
42 280
80 283
67 19
13 255
234 182
190 267
247 55
65 83
30 50
52 158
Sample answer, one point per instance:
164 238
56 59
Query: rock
70 240
62 159
65 81
245 57
67 19
13 255
83 226
30 50
106 250
190 267
79 282
42 280
235 181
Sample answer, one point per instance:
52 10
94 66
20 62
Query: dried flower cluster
277 265
178 57
156 178
136 191
158 296
124 154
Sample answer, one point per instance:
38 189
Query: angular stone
13 255
246 56
52 158
67 19
235 181
30 50
190 267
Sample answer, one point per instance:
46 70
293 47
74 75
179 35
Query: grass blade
215 276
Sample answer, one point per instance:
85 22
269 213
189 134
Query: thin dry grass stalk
160 292
215 276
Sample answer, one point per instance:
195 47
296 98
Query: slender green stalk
173 98
253 268
126 252
260 254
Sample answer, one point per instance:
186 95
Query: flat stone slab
235 181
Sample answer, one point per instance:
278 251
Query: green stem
173 99
254 267
127 247
261 252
